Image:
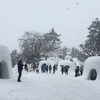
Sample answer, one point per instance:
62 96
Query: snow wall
91 63
5 63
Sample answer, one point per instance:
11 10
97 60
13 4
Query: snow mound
92 63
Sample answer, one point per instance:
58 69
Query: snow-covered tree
80 55
34 45
74 52
63 52
14 57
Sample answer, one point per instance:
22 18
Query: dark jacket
77 69
20 66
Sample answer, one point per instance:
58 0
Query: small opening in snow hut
3 70
0 70
92 74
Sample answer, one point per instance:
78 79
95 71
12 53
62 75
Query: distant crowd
47 69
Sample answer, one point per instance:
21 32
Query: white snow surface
45 86
92 63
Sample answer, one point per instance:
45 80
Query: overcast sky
70 18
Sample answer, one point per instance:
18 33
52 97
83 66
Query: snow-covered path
44 86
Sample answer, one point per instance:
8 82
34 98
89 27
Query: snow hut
92 68
5 63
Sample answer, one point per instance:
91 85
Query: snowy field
45 86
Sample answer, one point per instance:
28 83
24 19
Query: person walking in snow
47 68
62 69
26 67
50 68
77 71
20 68
54 68
81 70
43 68
66 69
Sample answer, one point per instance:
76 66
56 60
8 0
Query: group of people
48 68
78 71
44 68
64 69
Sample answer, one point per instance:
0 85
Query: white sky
70 18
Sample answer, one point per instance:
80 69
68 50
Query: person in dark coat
26 67
77 71
50 68
54 68
47 68
81 70
43 68
34 67
66 69
62 69
20 68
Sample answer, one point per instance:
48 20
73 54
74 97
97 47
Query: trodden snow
45 86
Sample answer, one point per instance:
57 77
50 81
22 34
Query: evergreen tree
92 44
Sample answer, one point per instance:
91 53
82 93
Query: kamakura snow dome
5 63
92 68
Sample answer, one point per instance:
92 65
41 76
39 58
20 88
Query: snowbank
5 63
92 63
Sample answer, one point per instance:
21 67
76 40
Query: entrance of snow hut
3 70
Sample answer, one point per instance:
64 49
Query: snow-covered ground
45 86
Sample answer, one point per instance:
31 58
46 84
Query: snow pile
5 62
92 63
